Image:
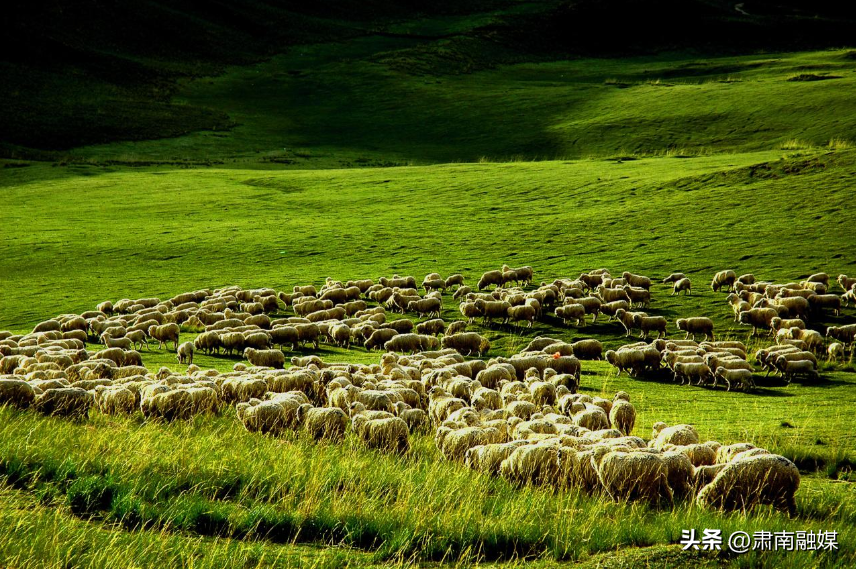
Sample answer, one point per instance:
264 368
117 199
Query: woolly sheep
431 327
723 279
638 296
426 307
835 351
467 343
632 475
64 401
115 400
757 318
456 327
526 313
647 324
531 464
184 354
734 376
844 334
674 277
637 280
622 415
325 422
675 435
16 392
165 333
763 479
490 278
684 285
696 325
387 434
568 312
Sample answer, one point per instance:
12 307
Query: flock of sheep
518 417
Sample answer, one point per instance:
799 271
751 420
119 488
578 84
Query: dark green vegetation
564 135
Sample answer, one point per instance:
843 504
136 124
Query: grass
413 145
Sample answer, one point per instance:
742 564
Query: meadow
411 151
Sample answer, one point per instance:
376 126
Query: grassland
412 145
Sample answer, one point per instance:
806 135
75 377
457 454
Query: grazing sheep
723 279
16 392
611 294
846 282
631 361
388 433
115 400
828 301
683 284
734 376
531 464
568 312
411 343
308 333
462 292
467 343
525 313
208 342
647 324
674 277
265 358
622 415
844 334
455 280
431 327
835 351
325 422
165 333
762 479
426 307
638 296
490 278
610 308
636 280
184 353
632 475
65 402
493 309
696 325
379 338
757 318
588 349
675 435
456 327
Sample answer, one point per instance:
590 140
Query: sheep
611 294
462 292
455 280
723 279
379 338
622 415
844 334
691 371
341 335
265 358
829 301
16 392
610 308
592 417
425 307
456 327
588 349
488 458
467 343
792 368
308 333
846 283
631 361
454 443
64 401
411 343
674 277
531 464
632 475
636 280
106 307
638 296
568 312
762 479
846 298
648 323
523 312
683 284
325 422
757 318
736 376
490 278
431 327
790 307
628 319
493 309
284 335
402 326
696 325
387 433
184 353
835 351
115 400
822 278
165 333
674 435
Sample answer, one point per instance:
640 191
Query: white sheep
723 279
696 325
184 353
684 285
761 479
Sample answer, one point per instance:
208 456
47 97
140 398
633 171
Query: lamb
696 325
622 415
184 353
432 327
265 358
762 479
165 333
490 278
523 312
683 284
723 279
387 434
467 343
16 392
325 422
636 280
568 312
64 401
674 277
835 351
